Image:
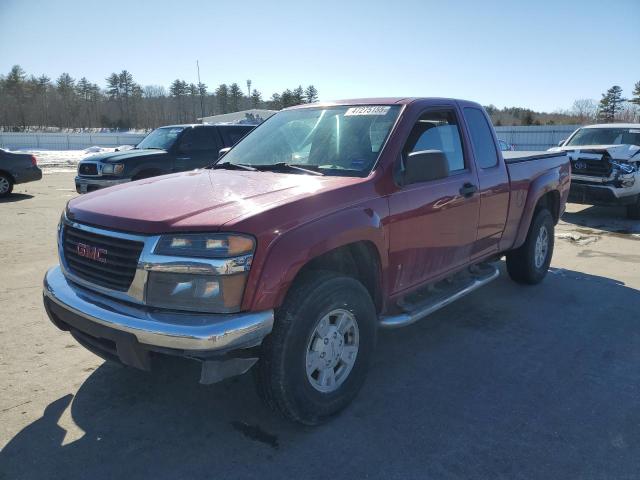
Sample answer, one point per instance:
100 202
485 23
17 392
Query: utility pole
200 90
249 88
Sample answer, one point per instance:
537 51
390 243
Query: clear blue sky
537 53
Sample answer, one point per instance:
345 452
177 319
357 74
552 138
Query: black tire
521 262
7 185
281 374
633 211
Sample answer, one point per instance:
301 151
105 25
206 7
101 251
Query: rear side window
199 139
438 130
481 138
231 136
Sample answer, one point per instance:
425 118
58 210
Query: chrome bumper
183 331
83 182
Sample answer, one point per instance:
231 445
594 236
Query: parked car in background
325 223
168 149
505 147
17 168
605 165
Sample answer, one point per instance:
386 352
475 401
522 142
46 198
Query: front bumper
131 332
89 184
603 195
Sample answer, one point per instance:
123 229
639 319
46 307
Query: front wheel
530 262
6 185
316 359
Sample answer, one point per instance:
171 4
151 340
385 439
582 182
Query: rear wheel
316 359
6 185
633 211
529 263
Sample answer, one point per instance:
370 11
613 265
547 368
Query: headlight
112 168
624 167
200 293
211 278
205 245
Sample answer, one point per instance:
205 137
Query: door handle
468 189
183 158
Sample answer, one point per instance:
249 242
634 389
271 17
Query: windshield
161 138
343 140
606 136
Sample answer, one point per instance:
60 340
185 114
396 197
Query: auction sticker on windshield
368 110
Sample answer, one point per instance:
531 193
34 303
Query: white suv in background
605 165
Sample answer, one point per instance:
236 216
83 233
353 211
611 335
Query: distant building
251 117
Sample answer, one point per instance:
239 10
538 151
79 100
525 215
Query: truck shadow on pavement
15 197
609 219
512 381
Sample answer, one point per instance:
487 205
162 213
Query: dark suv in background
165 150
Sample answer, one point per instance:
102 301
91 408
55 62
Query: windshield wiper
233 166
291 166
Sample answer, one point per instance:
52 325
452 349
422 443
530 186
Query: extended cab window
481 138
438 130
198 139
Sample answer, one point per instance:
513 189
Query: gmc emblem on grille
93 253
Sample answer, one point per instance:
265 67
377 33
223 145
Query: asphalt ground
510 382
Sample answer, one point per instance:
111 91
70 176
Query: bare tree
584 109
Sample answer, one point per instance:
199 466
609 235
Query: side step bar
422 310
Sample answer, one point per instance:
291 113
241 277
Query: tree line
612 107
30 102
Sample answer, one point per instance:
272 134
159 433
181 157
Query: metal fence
66 141
522 137
535 137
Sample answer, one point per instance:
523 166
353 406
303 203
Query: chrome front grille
106 261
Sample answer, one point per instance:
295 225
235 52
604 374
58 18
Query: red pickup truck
325 223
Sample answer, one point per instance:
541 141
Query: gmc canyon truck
175 148
325 223
605 161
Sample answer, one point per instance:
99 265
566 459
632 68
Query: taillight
34 161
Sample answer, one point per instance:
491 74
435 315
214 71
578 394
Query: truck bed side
532 175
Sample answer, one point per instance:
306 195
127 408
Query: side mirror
222 152
561 142
425 165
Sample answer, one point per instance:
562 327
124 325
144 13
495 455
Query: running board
418 312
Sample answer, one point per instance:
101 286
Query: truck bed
515 157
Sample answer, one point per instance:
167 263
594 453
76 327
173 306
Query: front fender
291 250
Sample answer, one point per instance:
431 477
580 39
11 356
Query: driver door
433 224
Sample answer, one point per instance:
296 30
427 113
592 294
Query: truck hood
124 155
200 200
617 152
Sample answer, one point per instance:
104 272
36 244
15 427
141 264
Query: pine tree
235 95
286 99
276 102
222 94
15 85
66 88
610 104
298 95
256 98
636 94
311 94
